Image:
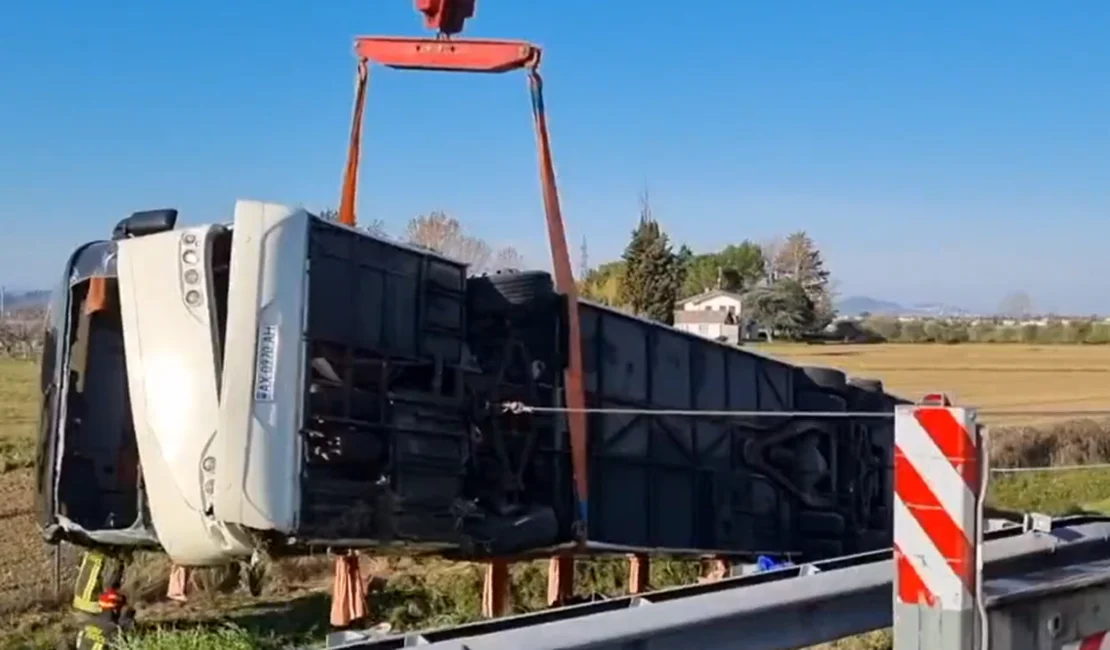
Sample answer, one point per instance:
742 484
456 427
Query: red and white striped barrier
1100 641
937 490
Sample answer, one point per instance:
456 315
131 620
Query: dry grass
413 593
988 376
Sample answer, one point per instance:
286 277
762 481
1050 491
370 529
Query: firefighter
100 631
98 572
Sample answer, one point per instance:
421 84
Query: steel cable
522 408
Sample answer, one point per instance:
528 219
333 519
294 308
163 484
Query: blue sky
937 151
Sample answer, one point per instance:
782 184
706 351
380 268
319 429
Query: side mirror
146 222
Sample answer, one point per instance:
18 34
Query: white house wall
716 303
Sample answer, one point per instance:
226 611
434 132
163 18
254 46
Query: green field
18 414
414 594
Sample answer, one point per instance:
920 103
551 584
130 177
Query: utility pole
583 261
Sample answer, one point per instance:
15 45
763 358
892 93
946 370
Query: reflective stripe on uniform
91 637
86 590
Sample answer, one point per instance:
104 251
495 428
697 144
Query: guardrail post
560 579
495 589
938 487
639 572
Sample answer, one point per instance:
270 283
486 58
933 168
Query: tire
867 384
815 523
826 378
867 394
822 549
874 540
509 290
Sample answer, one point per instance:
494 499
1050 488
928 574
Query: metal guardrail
786 608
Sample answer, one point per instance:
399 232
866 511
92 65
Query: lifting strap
493 56
97 298
350 175
574 394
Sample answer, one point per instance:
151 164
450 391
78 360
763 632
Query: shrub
885 329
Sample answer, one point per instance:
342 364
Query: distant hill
856 305
16 300
938 309
851 306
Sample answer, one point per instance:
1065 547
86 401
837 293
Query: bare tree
21 332
799 259
509 258
7 339
583 260
375 227
645 204
1017 305
772 249
443 234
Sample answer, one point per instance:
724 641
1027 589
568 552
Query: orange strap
575 392
564 274
350 176
97 298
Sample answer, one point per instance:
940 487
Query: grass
418 594
18 413
227 637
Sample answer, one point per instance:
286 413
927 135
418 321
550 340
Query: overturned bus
285 383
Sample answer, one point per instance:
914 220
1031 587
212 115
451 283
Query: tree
443 234
603 284
888 328
1016 305
782 308
771 249
653 272
375 227
701 274
737 267
509 258
743 265
583 260
798 259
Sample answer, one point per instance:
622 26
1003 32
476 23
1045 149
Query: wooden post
560 579
495 590
639 572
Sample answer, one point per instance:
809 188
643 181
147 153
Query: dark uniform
98 602
98 572
101 630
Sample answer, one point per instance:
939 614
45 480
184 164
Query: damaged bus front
129 392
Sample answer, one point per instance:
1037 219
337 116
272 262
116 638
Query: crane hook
446 16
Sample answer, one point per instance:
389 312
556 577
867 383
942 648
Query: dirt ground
26 564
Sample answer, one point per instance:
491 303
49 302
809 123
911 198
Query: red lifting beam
448 55
487 56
